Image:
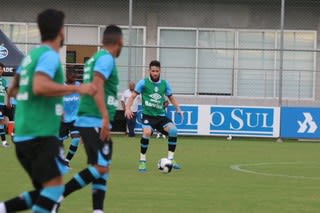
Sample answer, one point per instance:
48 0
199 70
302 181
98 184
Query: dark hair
155 63
2 65
50 23
111 34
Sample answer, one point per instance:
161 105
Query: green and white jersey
104 64
153 96
38 115
3 88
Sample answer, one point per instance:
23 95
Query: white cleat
5 144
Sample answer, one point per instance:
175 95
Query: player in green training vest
94 117
39 88
3 106
153 91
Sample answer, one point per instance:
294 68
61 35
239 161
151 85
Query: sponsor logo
3 52
59 109
106 149
308 125
155 96
242 121
156 89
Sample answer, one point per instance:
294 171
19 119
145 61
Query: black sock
73 148
22 202
172 143
3 137
144 143
81 179
99 187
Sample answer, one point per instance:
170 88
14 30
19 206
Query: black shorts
156 122
98 152
42 158
66 129
10 112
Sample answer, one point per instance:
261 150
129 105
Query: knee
173 131
147 132
102 170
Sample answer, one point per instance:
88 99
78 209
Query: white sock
143 157
97 211
170 155
2 208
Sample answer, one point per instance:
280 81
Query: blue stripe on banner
172 143
27 199
99 187
79 180
144 146
38 209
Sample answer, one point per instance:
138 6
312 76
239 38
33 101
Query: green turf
205 184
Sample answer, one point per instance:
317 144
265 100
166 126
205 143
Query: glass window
215 72
178 64
298 66
16 33
256 68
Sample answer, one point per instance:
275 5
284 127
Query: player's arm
123 104
45 71
102 71
43 85
128 112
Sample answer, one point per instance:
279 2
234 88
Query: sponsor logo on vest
112 101
308 125
59 109
3 52
155 96
24 81
154 105
156 89
23 96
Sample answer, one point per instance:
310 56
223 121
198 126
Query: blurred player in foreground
71 105
39 89
153 90
94 117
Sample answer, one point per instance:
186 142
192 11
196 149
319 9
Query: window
178 64
242 63
215 73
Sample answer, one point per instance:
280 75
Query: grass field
205 184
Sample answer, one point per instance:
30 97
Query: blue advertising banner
244 121
187 125
300 122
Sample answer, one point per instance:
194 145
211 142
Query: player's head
1 68
131 86
113 39
71 75
50 23
154 70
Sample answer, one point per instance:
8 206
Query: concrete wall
243 14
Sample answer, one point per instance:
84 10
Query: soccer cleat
5 144
158 135
142 166
175 165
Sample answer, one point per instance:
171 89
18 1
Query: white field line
237 167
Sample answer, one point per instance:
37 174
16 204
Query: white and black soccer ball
165 165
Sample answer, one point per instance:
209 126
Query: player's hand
105 130
181 115
9 106
87 89
128 114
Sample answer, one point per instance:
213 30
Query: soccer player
71 105
3 93
131 123
39 87
94 116
153 90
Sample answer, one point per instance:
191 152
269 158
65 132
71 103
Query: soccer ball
165 165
